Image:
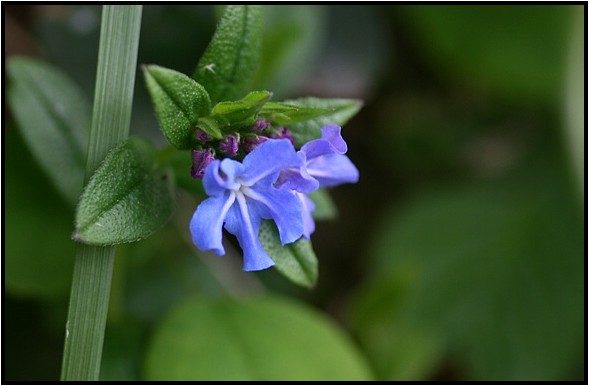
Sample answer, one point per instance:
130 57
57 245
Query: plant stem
113 97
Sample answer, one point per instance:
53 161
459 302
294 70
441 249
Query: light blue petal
331 141
221 175
269 159
308 222
333 169
297 178
333 135
280 205
207 222
243 221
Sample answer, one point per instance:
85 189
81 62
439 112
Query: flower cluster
272 182
235 145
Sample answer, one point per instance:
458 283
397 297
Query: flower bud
200 160
202 136
260 125
229 146
284 133
248 144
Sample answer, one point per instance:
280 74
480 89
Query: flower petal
221 176
297 178
331 141
333 169
269 159
243 221
308 207
207 222
333 135
280 205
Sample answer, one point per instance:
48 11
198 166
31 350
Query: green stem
113 97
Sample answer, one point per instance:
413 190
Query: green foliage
38 248
126 199
574 98
283 114
242 111
179 102
340 111
296 261
261 339
54 118
325 208
504 50
178 161
480 272
292 39
228 65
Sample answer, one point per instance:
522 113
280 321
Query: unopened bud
200 160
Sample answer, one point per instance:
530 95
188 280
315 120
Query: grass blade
115 79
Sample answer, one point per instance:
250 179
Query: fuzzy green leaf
339 111
126 199
54 118
296 261
234 112
230 62
179 102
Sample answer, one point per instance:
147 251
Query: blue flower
241 195
323 164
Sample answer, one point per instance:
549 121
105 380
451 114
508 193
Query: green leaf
38 248
235 112
339 111
398 349
325 208
229 64
492 273
296 261
513 65
253 339
53 116
283 114
292 42
179 102
125 200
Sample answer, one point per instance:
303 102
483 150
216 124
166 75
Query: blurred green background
458 256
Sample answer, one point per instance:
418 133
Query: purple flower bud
260 125
284 133
229 146
200 160
202 136
250 143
